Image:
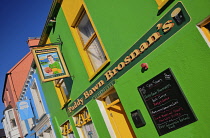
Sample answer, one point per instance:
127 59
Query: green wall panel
120 24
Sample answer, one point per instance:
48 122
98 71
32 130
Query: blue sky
20 19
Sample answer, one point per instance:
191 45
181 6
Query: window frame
66 128
39 105
83 121
12 120
203 31
161 3
82 49
64 100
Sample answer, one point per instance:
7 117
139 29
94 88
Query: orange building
13 84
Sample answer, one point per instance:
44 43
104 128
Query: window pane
96 54
85 28
65 90
13 123
89 130
30 122
71 135
37 99
111 98
207 26
11 115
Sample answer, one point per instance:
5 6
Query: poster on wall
166 103
50 63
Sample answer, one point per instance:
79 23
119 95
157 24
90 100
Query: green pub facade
137 68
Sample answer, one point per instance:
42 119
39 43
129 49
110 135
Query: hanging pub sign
50 63
25 110
166 103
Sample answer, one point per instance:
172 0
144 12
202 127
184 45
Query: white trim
12 131
37 99
106 119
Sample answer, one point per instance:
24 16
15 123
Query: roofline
5 80
49 17
19 62
10 72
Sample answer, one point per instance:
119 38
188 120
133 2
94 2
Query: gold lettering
135 54
86 94
78 102
159 26
95 88
109 74
101 83
121 66
90 92
115 70
167 26
75 105
69 109
154 37
143 46
127 60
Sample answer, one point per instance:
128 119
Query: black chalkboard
166 103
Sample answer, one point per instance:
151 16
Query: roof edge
52 8
19 62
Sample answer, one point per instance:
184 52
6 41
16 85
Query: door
117 116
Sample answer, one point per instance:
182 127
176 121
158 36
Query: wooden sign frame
50 63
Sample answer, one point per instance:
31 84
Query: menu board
166 103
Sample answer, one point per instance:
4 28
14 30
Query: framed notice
166 103
50 63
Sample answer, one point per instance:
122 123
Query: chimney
33 41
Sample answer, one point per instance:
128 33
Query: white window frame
30 123
13 119
37 99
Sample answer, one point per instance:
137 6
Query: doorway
117 115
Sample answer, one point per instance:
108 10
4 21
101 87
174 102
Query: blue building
32 108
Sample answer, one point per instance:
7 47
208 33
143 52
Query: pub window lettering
67 130
84 124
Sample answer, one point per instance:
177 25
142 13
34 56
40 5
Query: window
90 42
12 119
37 99
23 127
90 47
30 123
5 126
204 28
84 124
63 90
67 131
161 3
49 133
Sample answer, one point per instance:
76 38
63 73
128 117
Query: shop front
118 98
